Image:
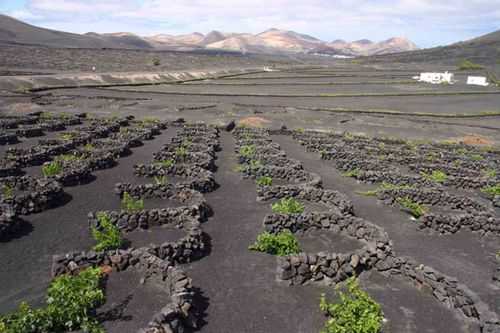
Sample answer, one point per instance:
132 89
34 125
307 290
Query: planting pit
355 129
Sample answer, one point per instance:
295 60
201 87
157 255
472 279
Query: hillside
17 32
484 50
273 41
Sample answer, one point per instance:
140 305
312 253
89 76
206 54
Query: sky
425 22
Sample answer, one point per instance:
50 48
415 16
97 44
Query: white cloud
427 22
24 15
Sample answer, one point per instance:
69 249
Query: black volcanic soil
239 286
463 255
26 261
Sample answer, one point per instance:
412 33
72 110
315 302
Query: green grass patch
352 173
436 176
281 244
264 181
67 136
131 205
68 158
385 187
466 64
288 206
53 168
108 236
69 304
168 163
492 190
414 208
355 312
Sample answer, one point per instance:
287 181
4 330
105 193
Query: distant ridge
484 50
274 41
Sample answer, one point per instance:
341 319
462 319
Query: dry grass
254 122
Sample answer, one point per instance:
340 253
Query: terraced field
172 190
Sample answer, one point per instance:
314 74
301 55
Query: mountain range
270 41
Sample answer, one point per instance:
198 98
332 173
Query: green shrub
385 187
248 151
492 190
352 173
468 65
476 157
124 130
281 244
70 302
414 208
436 176
161 180
131 205
150 120
7 191
52 168
156 62
490 173
255 165
264 181
181 152
88 147
68 158
356 312
67 136
107 236
288 206
165 163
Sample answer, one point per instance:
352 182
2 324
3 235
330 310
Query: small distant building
477 81
436 78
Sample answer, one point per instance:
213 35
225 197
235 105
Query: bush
436 176
68 158
356 312
67 136
70 302
52 168
156 62
288 206
248 151
352 173
281 244
491 190
161 180
264 181
468 65
181 152
131 205
414 208
107 236
7 191
165 163
476 157
385 187
490 173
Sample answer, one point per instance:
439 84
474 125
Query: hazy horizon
423 22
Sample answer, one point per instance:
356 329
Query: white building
477 81
436 78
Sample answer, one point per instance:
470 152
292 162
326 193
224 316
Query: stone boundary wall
44 82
